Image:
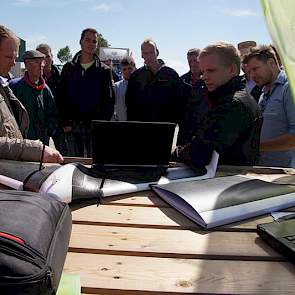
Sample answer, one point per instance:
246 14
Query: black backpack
34 238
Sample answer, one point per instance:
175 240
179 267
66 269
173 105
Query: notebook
130 145
280 235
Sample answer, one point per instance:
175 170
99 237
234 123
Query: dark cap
31 54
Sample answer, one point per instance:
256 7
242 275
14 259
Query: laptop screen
130 143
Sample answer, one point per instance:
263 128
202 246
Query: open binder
219 201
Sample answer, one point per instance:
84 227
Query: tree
102 42
64 54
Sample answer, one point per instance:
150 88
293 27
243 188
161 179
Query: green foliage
64 54
102 42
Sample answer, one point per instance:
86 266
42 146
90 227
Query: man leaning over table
232 126
277 145
14 120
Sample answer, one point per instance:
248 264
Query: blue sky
175 25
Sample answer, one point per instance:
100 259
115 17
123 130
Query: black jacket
53 80
197 106
153 97
85 95
232 127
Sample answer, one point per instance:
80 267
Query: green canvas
280 19
69 285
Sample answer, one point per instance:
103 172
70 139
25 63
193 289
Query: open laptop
131 148
280 235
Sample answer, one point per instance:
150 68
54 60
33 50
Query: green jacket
41 108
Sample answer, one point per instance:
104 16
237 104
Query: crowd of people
248 119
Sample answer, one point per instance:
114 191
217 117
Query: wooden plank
169 243
149 217
130 215
145 198
108 274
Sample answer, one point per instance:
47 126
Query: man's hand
183 154
285 142
52 156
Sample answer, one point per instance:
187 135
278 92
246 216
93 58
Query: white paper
11 182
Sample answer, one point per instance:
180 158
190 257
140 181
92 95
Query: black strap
100 194
42 155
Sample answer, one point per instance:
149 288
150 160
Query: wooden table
137 244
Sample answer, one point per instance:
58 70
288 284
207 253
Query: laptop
280 235
139 147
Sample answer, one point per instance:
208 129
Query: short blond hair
6 33
149 41
227 53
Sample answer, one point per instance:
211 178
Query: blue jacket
85 95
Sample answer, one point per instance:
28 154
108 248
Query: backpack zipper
17 247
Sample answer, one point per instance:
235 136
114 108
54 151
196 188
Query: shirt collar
3 81
281 79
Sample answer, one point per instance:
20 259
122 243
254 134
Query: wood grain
151 217
170 243
110 272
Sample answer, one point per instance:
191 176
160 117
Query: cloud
22 2
239 12
103 7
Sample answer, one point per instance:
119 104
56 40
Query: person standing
14 119
193 92
152 91
36 96
277 144
252 89
85 94
232 126
51 76
51 73
127 68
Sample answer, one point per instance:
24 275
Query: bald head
149 52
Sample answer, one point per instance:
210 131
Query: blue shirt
278 111
120 110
